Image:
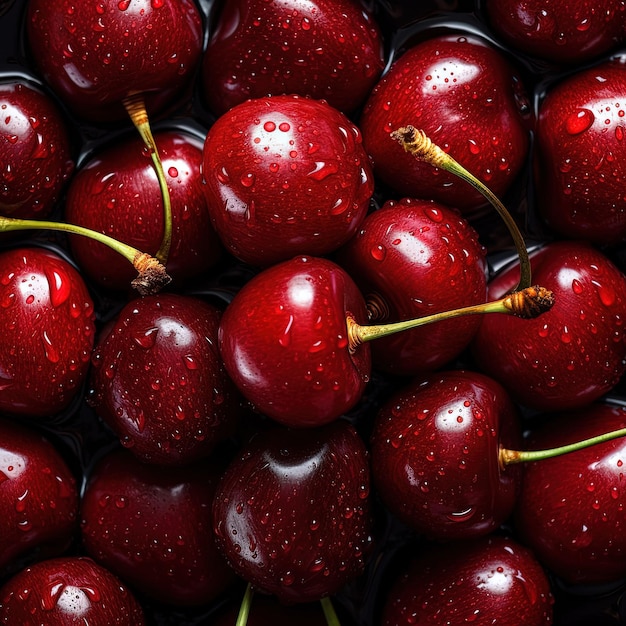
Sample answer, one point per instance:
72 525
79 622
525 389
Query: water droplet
50 351
579 121
247 180
474 148
577 286
461 516
284 127
323 170
147 338
378 252
269 127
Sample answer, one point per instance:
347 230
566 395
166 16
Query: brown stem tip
530 302
418 144
152 275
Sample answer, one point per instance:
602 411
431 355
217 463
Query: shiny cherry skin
435 455
96 53
574 353
413 258
47 332
571 509
285 175
292 511
159 382
38 497
36 160
462 92
490 580
116 192
67 591
284 342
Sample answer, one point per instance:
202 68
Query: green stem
244 609
509 457
136 109
329 612
421 147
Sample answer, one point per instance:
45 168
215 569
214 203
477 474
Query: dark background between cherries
77 433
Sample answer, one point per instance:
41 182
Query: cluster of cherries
261 350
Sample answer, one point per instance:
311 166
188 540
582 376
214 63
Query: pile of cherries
246 436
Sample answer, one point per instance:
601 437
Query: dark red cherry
574 353
152 527
158 380
36 158
323 49
38 497
96 53
490 580
465 96
413 258
292 511
66 592
116 192
571 510
47 332
285 175
284 342
436 455
581 153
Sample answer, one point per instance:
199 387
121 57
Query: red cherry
38 497
413 258
36 159
574 353
468 100
47 332
284 342
116 192
491 580
285 175
292 512
323 49
152 527
66 592
158 380
436 455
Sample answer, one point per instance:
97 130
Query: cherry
413 258
323 49
116 192
47 332
285 175
574 353
158 380
38 497
68 591
152 527
36 159
292 511
467 98
490 580
579 155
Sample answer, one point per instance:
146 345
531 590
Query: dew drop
269 127
378 252
147 338
579 121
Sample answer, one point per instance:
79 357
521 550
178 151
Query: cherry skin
490 580
435 455
574 353
292 511
96 53
158 380
468 100
329 50
68 591
284 176
116 192
36 159
580 155
284 342
38 497
47 332
152 527
413 258
571 510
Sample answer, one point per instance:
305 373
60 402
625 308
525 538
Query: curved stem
244 609
136 109
416 142
329 612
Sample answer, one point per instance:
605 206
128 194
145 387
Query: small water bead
579 121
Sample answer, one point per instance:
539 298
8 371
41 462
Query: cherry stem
527 304
136 108
509 457
152 275
416 142
244 609
329 612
